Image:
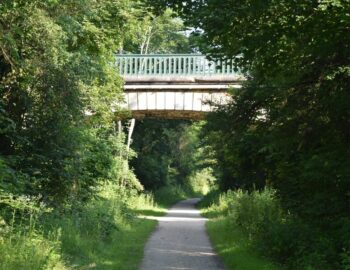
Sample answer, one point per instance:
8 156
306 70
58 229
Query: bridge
173 86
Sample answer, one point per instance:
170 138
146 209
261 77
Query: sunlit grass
229 240
106 233
234 247
125 250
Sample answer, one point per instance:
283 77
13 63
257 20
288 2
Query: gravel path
180 242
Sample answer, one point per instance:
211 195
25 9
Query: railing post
136 65
154 65
120 65
194 65
175 65
169 65
125 66
185 65
182 65
223 66
161 65
147 66
165 65
150 65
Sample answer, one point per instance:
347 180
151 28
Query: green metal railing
171 64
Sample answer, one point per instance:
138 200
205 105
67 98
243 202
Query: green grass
30 252
124 251
128 253
115 233
234 248
230 241
106 233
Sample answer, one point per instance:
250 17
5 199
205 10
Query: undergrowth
104 233
168 195
270 231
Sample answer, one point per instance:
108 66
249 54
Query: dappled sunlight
150 212
184 253
234 247
177 214
183 211
175 219
180 268
180 241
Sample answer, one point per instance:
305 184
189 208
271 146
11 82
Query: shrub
34 237
250 211
255 211
168 195
279 235
202 181
345 256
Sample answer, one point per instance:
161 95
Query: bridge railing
172 64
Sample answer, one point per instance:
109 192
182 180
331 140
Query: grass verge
234 248
104 233
123 252
231 242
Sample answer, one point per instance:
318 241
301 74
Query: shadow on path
180 241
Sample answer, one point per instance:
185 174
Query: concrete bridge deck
175 86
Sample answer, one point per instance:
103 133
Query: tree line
68 197
59 88
288 127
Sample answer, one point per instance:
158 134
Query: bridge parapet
172 64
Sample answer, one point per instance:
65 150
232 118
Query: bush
168 195
294 244
201 181
250 211
34 237
255 211
210 199
346 260
278 234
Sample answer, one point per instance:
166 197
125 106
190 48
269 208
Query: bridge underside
177 97
174 103
169 114
198 79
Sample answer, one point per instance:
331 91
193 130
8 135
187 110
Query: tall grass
23 243
271 231
30 251
104 233
237 217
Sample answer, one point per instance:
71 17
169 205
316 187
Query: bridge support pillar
131 130
125 162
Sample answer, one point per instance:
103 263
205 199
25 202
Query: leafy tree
289 124
169 152
151 33
55 69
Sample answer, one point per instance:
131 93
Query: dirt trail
180 242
